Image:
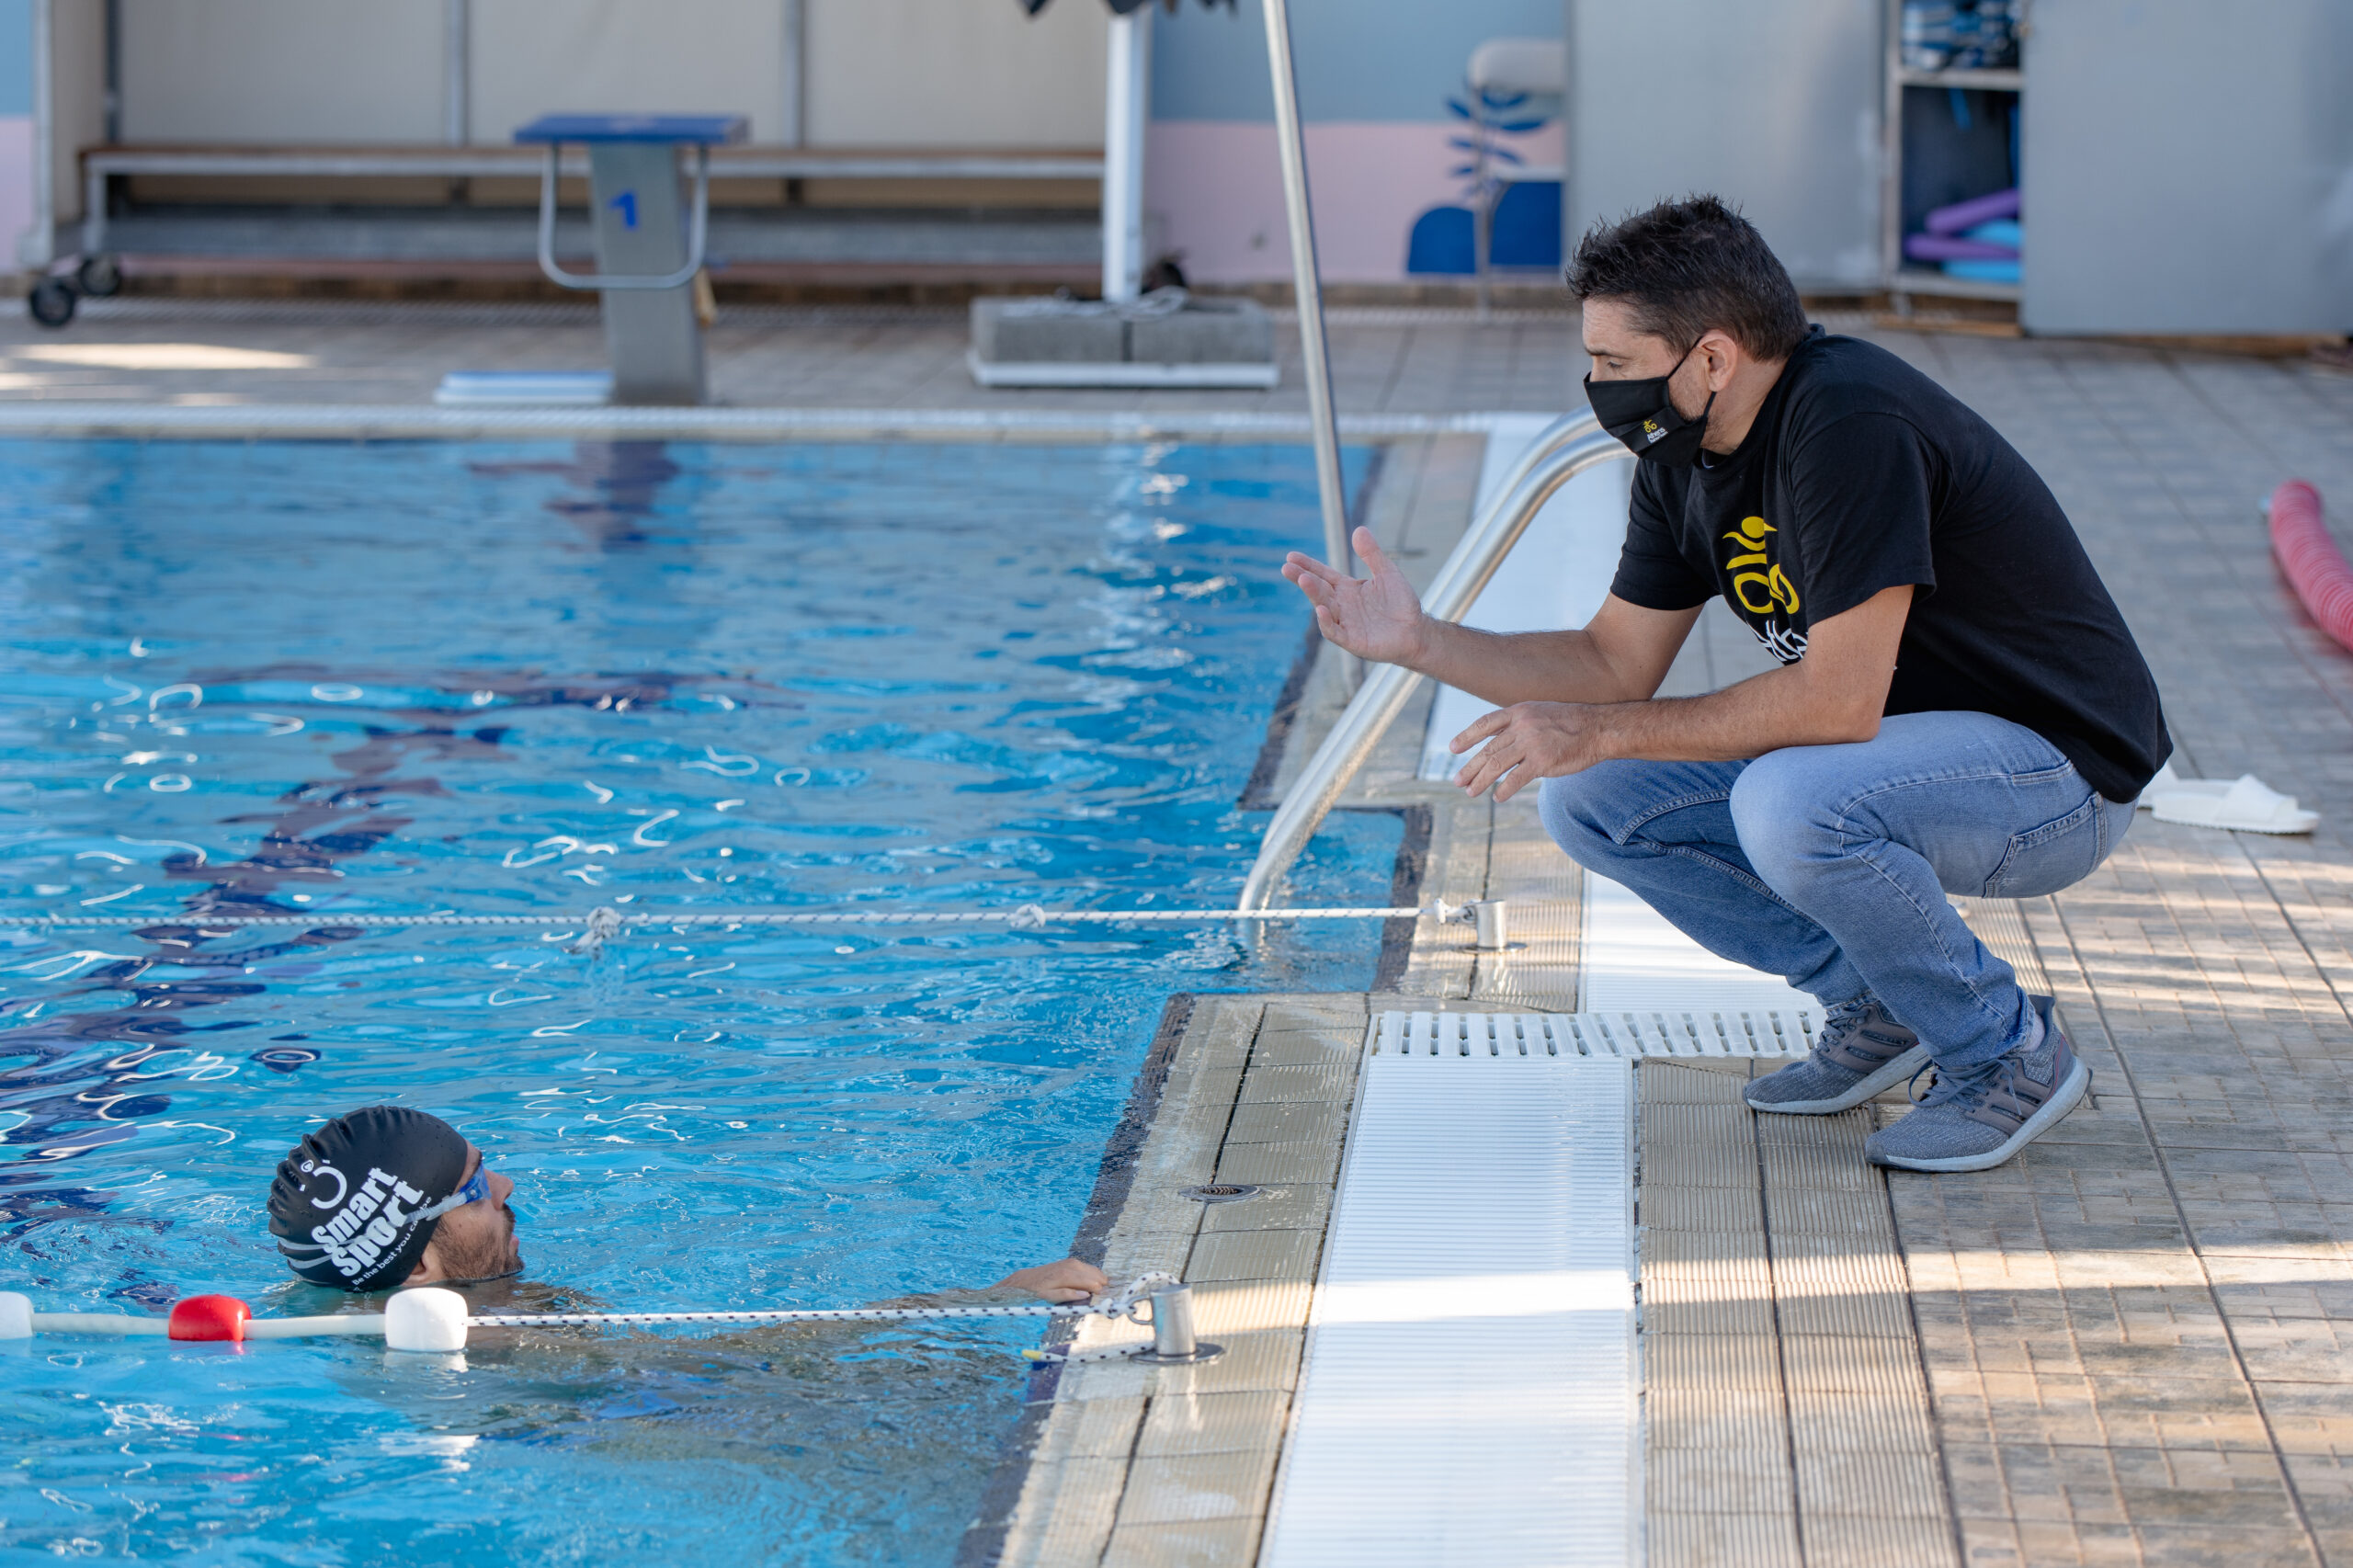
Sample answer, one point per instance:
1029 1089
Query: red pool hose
2315 567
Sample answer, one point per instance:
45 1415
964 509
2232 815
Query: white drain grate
1623 1036
1467 1396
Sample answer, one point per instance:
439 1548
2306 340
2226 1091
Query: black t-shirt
1861 474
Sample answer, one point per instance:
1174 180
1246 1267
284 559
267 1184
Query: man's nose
500 1186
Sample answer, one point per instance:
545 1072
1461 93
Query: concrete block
1046 330
1205 332
1067 331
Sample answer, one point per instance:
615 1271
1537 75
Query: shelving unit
1991 81
1902 201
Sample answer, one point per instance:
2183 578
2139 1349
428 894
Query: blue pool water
384 679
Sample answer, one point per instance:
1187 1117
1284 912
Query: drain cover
1220 1192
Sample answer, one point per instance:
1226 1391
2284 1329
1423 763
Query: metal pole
38 248
795 130
456 72
112 103
1174 1338
1315 362
1126 107
1172 1325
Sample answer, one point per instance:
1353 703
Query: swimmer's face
475 1241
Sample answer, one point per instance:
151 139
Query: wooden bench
101 164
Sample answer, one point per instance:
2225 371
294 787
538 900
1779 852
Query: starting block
650 241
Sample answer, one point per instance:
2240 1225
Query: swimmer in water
388 1197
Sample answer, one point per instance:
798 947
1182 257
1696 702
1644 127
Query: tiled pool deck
2132 1345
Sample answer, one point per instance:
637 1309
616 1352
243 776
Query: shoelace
1836 1025
1969 1092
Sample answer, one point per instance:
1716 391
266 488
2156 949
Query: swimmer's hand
1064 1283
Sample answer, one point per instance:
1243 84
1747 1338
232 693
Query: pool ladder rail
1567 448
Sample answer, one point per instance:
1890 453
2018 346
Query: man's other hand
1064 1283
1525 741
1377 618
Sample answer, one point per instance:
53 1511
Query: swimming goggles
477 1188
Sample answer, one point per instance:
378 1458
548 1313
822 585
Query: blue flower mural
1524 223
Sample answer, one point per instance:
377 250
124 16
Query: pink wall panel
1213 190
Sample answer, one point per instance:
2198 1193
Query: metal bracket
698 233
1201 1352
1173 1344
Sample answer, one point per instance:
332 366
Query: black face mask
1640 414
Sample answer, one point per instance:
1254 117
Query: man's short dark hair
1690 267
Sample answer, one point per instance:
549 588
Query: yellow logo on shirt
1764 574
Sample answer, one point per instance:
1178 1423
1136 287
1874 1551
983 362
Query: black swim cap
344 1206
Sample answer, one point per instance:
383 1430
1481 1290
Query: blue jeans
1829 865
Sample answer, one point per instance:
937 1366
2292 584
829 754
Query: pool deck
2132 1345
813 358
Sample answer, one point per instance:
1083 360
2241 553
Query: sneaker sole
2070 1094
1864 1088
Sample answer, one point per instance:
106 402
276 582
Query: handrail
1565 449
698 231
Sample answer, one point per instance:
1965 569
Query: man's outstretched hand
1377 618
1062 1282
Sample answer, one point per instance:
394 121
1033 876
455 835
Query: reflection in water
619 485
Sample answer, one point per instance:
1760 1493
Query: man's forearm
1763 714
1834 696
1526 666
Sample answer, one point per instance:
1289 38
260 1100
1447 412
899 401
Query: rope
1030 916
603 923
1123 1303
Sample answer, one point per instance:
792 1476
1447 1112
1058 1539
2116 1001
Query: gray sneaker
1976 1122
1861 1052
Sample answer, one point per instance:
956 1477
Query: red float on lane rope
2315 567
210 1317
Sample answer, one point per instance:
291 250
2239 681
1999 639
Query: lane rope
1030 916
430 1318
603 923
1123 1303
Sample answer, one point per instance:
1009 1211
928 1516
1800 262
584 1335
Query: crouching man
1960 706
388 1197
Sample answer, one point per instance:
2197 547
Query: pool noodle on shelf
1968 214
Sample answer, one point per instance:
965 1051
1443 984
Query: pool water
378 679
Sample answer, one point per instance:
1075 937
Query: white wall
536 57
878 72
1773 107
2189 174
284 70
955 74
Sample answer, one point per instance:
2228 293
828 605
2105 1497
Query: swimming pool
502 678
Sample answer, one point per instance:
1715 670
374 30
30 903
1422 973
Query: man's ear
1721 358
428 1267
